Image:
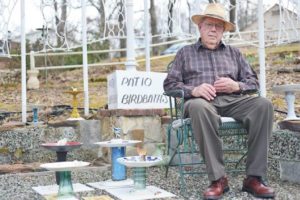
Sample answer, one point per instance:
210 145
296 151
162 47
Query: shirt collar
199 45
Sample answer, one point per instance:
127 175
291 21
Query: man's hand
226 85
205 90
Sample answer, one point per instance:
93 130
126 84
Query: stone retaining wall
22 144
285 155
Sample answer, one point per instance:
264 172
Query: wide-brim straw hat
216 11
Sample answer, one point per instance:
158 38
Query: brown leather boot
216 189
255 186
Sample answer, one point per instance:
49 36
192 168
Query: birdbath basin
61 149
117 143
138 161
118 149
64 169
138 165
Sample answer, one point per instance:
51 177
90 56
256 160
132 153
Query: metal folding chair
183 150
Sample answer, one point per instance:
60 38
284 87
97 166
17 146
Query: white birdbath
138 165
65 190
118 149
289 91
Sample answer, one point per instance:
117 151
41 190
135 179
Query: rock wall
22 144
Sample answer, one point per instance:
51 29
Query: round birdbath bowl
293 125
61 147
139 161
117 143
286 88
139 165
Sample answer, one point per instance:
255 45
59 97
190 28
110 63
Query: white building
281 25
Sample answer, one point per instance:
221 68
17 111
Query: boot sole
217 197
264 196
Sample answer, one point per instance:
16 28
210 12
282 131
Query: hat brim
199 18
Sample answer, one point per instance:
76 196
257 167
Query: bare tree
190 4
154 30
170 15
121 22
248 14
60 21
232 11
119 9
98 5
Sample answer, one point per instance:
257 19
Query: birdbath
118 149
61 148
65 190
75 114
289 90
138 165
35 109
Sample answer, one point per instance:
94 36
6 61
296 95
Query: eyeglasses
218 27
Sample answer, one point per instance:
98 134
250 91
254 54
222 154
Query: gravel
19 186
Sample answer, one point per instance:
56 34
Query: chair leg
171 159
182 183
240 160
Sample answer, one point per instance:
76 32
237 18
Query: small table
289 91
118 150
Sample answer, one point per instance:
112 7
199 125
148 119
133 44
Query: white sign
136 90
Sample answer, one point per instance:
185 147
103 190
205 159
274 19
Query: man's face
211 31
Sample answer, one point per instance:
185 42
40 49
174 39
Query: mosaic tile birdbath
139 165
65 190
61 148
118 150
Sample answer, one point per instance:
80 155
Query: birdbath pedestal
139 165
289 90
65 190
118 150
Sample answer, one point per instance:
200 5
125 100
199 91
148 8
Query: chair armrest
178 93
180 122
251 92
176 104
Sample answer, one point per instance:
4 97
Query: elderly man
216 80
